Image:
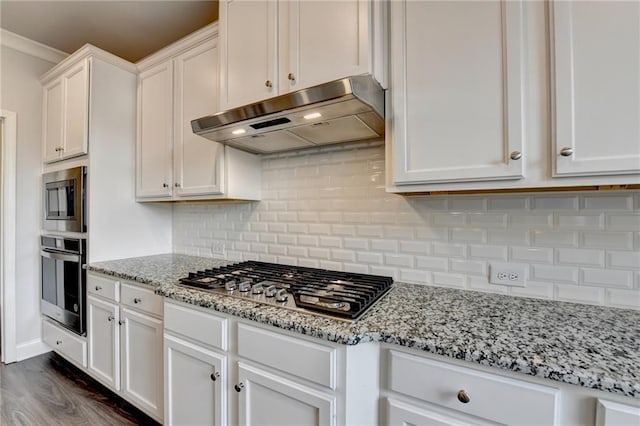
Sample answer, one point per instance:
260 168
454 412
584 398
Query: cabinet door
76 110
198 162
609 413
457 91
52 121
267 399
103 334
196 384
596 52
142 381
323 41
154 141
401 414
248 51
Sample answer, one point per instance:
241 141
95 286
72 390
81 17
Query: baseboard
31 348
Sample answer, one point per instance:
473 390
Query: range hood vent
346 110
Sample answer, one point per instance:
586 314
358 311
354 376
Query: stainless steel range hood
351 109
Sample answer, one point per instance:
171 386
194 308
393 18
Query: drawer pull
137 300
566 152
110 318
214 376
120 322
98 288
516 155
58 342
239 387
463 397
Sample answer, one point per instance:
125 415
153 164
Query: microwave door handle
60 256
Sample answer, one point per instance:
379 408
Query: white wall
20 92
330 210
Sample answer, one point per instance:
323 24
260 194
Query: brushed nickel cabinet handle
164 185
516 155
239 387
137 300
177 185
214 376
291 77
98 288
268 84
110 318
120 322
566 152
58 342
463 397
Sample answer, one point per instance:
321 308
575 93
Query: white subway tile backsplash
487 252
575 293
629 299
567 256
623 222
607 277
607 202
471 267
432 263
554 238
554 202
449 250
531 254
607 240
623 259
468 235
329 209
553 273
580 221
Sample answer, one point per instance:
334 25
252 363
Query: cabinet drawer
103 286
495 398
201 326
65 343
142 299
310 361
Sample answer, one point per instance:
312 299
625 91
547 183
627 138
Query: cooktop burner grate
337 294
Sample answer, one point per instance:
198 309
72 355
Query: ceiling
129 29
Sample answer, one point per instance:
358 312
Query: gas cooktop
339 295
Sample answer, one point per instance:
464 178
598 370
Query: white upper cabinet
155 119
596 76
198 166
66 113
177 85
274 47
457 91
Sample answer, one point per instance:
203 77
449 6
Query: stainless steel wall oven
64 281
64 200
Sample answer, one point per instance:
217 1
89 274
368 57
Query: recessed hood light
312 116
239 132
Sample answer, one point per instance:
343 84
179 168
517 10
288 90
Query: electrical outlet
507 274
218 249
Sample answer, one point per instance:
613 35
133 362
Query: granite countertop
592 346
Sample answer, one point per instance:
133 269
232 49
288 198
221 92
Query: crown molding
30 47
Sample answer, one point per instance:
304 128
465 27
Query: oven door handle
60 256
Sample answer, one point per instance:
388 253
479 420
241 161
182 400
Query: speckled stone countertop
591 346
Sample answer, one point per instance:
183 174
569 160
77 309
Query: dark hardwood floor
47 390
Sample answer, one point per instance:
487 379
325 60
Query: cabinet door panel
103 335
52 121
155 115
248 51
198 161
268 399
457 91
596 47
326 41
76 110
142 360
192 397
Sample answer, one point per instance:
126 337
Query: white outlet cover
510 274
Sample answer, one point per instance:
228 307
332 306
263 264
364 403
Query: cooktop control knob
244 286
281 295
257 289
230 285
270 291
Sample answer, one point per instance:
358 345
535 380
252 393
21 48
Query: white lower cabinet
124 336
268 399
195 384
69 345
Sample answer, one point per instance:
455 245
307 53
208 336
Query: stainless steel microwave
65 200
